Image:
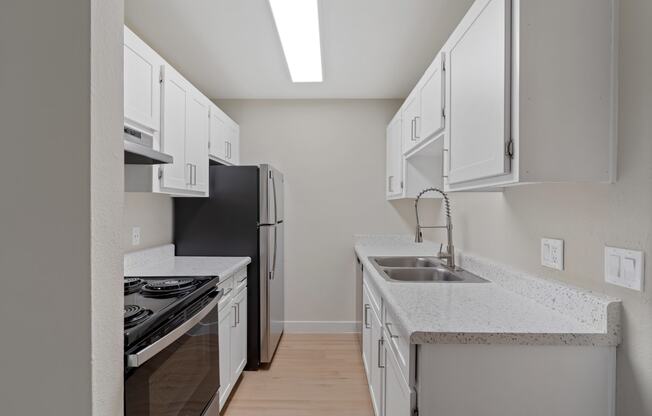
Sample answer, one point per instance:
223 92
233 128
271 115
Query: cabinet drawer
239 280
227 286
399 342
374 296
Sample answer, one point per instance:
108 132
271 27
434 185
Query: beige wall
60 304
332 153
153 214
508 226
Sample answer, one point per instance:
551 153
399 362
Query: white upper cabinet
519 92
142 93
479 93
176 91
431 94
160 100
411 121
197 141
530 90
394 184
224 138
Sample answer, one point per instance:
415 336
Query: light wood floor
311 375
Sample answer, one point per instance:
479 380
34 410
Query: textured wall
153 214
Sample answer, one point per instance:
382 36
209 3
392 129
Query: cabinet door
235 144
478 85
218 132
175 176
377 366
411 121
366 333
239 336
142 89
197 141
394 184
431 94
227 319
398 397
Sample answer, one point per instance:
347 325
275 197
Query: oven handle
144 355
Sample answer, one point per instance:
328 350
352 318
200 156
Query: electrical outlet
552 253
135 236
624 267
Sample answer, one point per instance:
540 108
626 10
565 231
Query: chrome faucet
449 254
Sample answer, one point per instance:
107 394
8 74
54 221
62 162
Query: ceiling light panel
297 22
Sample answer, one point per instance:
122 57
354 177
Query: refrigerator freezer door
272 283
271 195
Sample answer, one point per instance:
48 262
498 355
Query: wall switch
552 253
135 236
624 268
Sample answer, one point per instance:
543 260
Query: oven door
178 374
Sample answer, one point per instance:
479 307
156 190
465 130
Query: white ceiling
230 48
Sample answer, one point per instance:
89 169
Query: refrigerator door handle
275 251
275 202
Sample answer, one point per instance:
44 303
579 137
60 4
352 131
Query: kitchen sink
421 269
422 275
407 261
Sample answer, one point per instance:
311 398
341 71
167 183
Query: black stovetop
151 301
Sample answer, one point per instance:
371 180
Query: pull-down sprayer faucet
449 255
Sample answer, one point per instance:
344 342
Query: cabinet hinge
160 172
160 76
443 112
509 149
415 412
401 184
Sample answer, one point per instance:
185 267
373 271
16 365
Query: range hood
139 150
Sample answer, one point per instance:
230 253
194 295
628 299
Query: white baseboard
321 327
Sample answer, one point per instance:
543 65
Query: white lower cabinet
398 397
479 379
233 332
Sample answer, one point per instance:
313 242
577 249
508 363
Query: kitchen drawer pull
235 316
238 320
380 346
389 331
366 316
412 130
416 136
390 179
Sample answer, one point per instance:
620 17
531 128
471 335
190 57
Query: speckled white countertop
513 308
161 261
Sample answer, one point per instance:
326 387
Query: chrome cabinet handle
381 342
366 316
235 316
189 166
412 130
390 181
238 320
389 331
416 136
144 355
226 149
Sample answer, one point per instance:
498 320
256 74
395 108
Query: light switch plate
135 236
552 253
624 267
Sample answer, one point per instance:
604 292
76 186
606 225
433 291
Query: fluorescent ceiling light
297 22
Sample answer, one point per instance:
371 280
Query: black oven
175 369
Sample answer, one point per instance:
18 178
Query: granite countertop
513 308
161 261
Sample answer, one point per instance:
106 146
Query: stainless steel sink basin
421 269
422 275
407 261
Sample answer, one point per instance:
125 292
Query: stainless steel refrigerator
243 216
